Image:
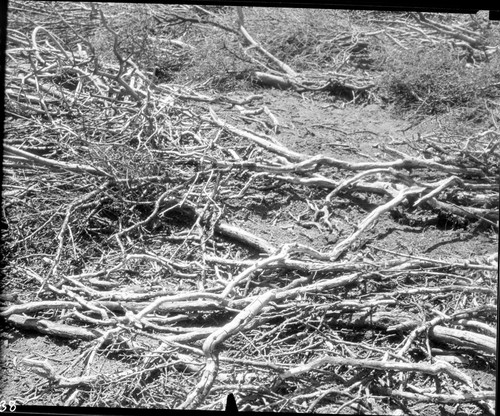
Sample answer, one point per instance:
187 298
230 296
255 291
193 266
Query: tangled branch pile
117 205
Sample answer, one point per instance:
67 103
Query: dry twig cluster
115 197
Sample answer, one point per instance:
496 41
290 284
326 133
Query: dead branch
48 327
42 161
432 369
210 373
463 338
254 45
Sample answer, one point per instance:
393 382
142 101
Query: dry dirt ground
309 124
313 125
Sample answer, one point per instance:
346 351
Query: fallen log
45 326
465 339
